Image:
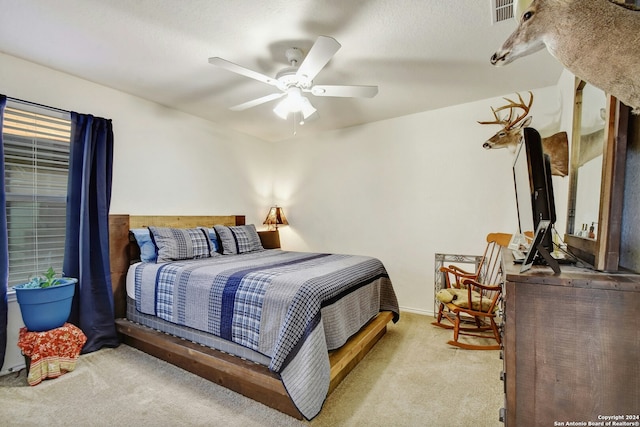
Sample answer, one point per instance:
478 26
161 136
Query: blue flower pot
46 308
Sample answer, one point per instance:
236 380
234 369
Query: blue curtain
86 254
4 245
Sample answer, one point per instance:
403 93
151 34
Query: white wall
407 188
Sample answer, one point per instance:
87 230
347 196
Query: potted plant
45 301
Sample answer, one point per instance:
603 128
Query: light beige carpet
410 378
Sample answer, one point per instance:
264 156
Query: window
36 160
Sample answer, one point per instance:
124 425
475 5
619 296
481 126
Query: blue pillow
215 246
148 250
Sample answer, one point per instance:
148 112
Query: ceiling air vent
501 10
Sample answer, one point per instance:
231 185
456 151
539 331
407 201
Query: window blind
36 159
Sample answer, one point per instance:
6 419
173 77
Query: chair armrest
458 276
460 272
488 296
475 284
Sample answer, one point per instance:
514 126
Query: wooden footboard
247 378
344 359
242 376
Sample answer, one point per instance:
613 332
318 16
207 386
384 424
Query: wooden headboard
123 249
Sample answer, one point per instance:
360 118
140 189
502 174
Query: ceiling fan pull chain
294 123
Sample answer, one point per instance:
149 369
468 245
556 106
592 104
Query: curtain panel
87 234
4 246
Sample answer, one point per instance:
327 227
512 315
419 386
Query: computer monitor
534 198
533 186
523 193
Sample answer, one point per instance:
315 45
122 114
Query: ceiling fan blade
319 55
345 91
256 102
223 63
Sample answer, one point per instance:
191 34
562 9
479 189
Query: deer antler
511 105
509 122
497 121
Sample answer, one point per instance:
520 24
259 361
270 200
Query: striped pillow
181 243
238 239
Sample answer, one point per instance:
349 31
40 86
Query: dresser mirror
597 157
586 160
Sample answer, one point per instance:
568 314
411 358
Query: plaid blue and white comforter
290 306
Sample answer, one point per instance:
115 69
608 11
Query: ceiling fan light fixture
282 109
293 103
307 109
294 96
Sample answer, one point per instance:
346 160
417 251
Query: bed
283 328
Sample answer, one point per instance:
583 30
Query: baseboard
417 311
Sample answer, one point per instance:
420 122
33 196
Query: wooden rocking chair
470 300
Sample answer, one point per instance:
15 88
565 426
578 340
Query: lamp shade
276 217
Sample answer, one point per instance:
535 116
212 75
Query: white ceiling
423 54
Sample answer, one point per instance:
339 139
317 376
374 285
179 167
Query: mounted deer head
581 35
557 145
510 134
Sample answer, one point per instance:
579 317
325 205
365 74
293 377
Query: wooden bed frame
250 379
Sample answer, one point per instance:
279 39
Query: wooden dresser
571 346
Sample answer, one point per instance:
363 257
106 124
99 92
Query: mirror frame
603 252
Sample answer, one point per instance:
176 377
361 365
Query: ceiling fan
297 79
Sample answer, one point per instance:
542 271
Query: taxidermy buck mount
556 146
597 40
